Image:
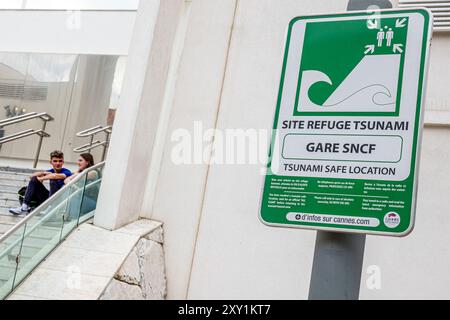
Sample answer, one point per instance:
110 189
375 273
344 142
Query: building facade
199 65
190 141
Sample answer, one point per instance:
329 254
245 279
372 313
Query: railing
23 134
91 132
29 242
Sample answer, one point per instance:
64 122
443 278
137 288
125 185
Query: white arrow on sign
398 47
369 49
372 24
400 23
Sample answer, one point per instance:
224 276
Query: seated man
37 191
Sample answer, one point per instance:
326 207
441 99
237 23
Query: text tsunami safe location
369 170
355 124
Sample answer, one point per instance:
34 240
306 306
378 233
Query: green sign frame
349 116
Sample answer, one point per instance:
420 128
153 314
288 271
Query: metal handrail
47 202
94 130
23 134
25 117
88 146
91 132
45 117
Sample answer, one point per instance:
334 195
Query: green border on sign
410 182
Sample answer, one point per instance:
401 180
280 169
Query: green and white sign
347 129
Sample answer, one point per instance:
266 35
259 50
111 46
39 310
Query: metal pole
38 151
337 266
105 147
2 134
338 257
90 143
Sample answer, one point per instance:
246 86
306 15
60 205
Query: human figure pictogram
389 37
380 37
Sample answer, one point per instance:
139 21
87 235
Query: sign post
347 130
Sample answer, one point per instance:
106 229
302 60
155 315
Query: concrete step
28 171
6 194
14 180
40 238
2 283
8 221
8 200
7 270
9 197
6 204
10 188
29 249
36 241
6 217
26 251
44 231
11 176
5 227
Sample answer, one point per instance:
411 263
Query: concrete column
135 126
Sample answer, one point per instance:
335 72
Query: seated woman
84 202
85 161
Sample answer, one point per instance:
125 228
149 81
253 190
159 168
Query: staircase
26 242
30 252
11 180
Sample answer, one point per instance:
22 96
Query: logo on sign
391 220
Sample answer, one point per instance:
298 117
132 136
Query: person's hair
57 154
89 158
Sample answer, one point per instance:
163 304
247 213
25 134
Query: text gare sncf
364 148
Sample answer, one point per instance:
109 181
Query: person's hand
41 178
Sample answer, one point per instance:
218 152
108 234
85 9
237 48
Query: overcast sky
69 4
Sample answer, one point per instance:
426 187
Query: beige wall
91 100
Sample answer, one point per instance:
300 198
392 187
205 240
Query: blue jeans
37 192
80 205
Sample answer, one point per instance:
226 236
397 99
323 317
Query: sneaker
18 211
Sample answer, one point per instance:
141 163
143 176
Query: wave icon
367 88
376 94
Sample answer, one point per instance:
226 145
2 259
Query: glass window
78 91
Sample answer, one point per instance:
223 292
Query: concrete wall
70 32
215 246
